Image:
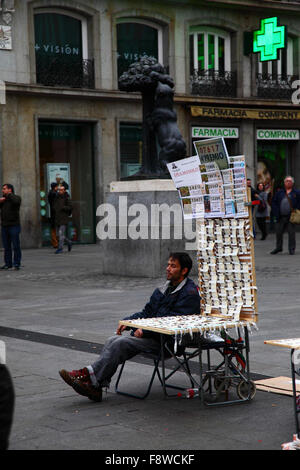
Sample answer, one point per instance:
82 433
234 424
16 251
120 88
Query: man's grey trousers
116 350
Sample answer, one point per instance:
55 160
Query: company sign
277 134
207 132
244 113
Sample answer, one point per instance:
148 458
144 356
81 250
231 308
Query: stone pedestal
139 224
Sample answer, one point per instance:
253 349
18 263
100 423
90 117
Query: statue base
141 223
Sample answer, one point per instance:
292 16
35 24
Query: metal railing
213 83
275 86
74 73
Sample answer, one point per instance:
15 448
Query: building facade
62 116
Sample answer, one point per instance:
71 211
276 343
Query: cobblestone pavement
68 298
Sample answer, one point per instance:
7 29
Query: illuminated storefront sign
269 39
206 132
243 113
277 134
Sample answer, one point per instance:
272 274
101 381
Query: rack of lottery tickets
227 284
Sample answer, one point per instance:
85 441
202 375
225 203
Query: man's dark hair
9 186
184 260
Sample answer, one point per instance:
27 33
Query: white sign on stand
211 184
213 150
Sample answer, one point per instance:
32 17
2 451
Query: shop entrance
273 163
66 155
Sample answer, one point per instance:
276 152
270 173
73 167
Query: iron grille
74 73
213 83
275 86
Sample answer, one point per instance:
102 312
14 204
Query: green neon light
268 39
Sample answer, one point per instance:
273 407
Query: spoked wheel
243 390
222 384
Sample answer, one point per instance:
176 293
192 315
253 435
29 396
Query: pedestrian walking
253 198
62 211
10 227
51 199
262 210
283 202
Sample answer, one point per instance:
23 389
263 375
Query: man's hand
138 333
2 199
120 329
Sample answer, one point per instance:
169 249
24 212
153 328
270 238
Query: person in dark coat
7 401
282 204
254 197
10 227
62 210
262 210
51 199
179 296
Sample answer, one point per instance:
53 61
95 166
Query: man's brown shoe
88 390
70 377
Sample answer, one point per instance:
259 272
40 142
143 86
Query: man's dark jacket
276 201
10 210
62 209
184 300
52 195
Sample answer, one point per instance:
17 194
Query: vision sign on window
57 35
135 40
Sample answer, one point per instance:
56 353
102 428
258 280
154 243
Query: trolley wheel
222 384
243 392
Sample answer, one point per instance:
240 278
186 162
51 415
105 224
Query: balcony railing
275 86
74 73
213 83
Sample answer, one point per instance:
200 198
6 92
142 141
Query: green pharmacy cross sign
268 39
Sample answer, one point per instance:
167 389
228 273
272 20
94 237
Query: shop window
210 62
61 51
210 50
275 77
136 39
65 155
130 149
273 163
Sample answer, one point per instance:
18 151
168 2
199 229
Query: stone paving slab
69 297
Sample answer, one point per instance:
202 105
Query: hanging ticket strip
226 269
180 325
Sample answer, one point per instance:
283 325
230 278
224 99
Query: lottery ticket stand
212 189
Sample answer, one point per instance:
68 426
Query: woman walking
262 210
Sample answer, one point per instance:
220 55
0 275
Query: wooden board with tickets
212 188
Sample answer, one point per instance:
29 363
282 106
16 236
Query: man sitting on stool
179 296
